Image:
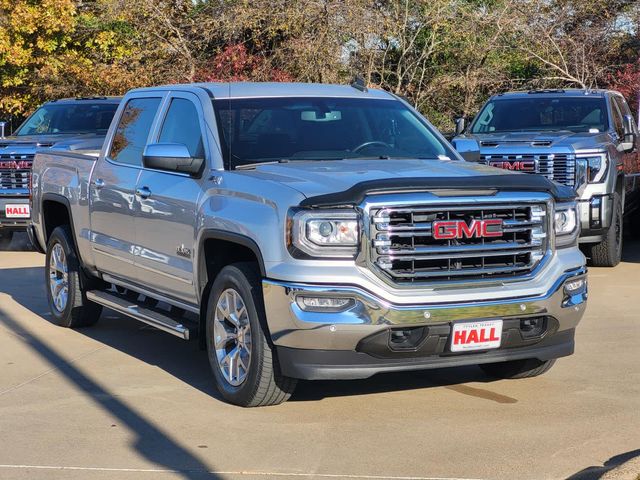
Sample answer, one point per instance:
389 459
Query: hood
27 144
314 178
564 141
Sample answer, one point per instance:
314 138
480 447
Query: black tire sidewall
233 277
61 236
617 238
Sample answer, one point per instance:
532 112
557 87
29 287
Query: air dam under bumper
372 336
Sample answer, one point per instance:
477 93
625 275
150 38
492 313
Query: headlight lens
566 225
594 166
325 233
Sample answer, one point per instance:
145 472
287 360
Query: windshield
52 119
575 114
258 130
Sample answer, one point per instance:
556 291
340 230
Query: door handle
143 192
98 183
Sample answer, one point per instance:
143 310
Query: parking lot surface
122 400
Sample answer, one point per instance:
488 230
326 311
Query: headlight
594 166
325 233
566 225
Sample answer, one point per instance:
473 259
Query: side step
139 312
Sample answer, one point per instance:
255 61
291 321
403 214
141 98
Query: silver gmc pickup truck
308 232
74 124
585 139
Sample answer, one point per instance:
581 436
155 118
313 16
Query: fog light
574 287
324 304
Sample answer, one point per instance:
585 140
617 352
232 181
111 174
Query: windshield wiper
391 157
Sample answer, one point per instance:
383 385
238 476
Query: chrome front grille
15 171
406 248
559 168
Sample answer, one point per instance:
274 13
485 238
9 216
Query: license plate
482 335
17 211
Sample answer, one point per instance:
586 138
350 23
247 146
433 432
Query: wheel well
54 214
215 255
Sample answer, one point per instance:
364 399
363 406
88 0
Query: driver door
168 206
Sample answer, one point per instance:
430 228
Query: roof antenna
358 83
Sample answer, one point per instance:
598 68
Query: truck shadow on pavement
150 441
186 362
597 472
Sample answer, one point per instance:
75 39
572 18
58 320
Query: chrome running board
139 312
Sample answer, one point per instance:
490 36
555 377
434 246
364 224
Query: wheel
243 361
609 252
517 368
67 300
5 240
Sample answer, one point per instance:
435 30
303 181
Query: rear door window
133 130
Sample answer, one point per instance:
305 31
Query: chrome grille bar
560 168
405 248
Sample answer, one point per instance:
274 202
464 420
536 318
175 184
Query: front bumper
595 217
353 343
13 224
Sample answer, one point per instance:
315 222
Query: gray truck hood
312 178
564 141
26 144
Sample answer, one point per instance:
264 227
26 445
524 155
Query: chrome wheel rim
232 337
58 278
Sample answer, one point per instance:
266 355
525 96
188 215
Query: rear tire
63 274
243 361
608 253
527 368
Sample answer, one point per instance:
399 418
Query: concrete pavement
121 400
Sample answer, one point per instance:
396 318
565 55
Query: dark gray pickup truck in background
71 124
585 139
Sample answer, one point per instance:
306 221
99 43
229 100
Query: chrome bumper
291 326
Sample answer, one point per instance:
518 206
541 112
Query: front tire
608 253
67 300
527 368
243 361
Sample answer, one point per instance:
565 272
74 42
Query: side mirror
460 125
171 157
629 141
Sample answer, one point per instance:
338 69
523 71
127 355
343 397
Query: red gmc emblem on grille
517 165
15 165
452 229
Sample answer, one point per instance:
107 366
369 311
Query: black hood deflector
506 183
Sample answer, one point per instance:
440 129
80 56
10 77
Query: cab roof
570 92
278 89
81 100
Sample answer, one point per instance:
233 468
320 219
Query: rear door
167 217
112 190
